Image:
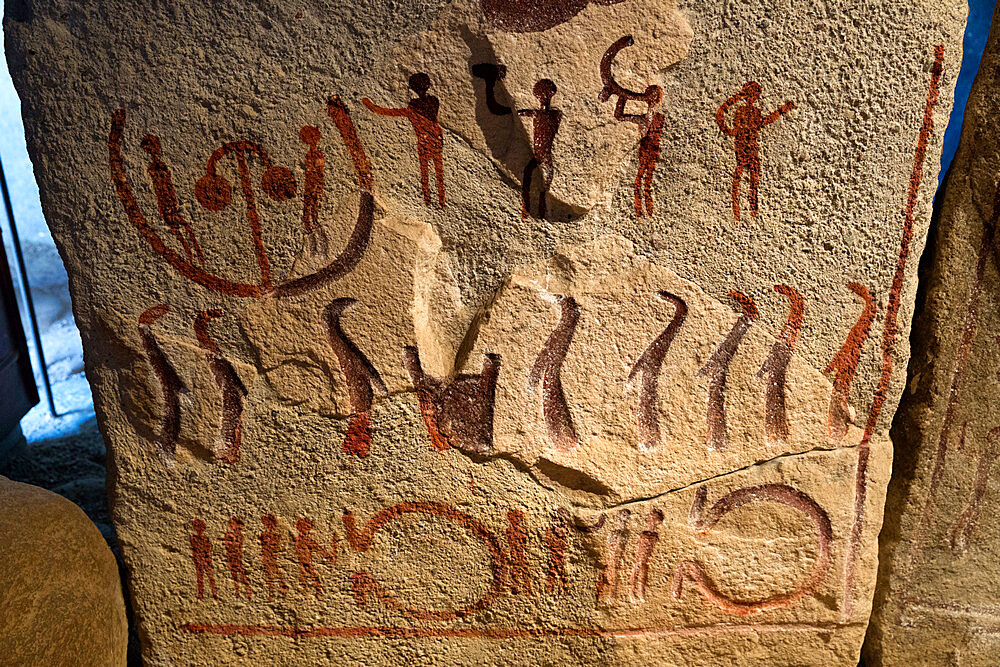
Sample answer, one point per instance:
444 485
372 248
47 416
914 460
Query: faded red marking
962 530
650 124
517 543
364 584
643 552
233 540
457 412
491 74
534 15
422 112
556 537
201 554
649 365
381 631
312 191
360 376
970 326
171 384
545 124
775 367
230 385
270 550
306 549
216 194
611 561
166 200
748 121
845 364
889 332
547 369
775 493
717 370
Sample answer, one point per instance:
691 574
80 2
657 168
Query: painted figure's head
544 91
270 521
751 91
199 526
420 83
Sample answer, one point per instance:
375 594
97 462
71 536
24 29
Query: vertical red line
890 331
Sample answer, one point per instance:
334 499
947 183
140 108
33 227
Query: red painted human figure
556 538
422 112
305 549
748 121
166 200
314 163
545 124
234 557
270 547
201 554
650 123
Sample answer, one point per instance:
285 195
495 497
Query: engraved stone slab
939 572
493 330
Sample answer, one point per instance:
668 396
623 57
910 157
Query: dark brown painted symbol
215 193
547 369
313 190
845 364
364 585
748 121
717 370
361 378
201 554
649 365
171 385
233 540
306 551
650 124
166 200
545 124
775 368
458 412
422 112
703 522
534 15
230 385
270 550
491 74
961 532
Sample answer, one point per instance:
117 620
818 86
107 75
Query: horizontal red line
354 632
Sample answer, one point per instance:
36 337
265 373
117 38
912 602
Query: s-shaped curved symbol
277 182
775 493
364 584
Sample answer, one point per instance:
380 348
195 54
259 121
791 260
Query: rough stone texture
612 434
62 596
939 574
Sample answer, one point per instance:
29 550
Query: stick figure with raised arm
545 121
422 112
650 123
748 121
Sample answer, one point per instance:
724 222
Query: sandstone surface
493 330
61 593
939 574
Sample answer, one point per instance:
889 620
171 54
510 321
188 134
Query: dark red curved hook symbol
278 183
775 493
364 584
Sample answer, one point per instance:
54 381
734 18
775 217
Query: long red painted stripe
890 331
359 632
